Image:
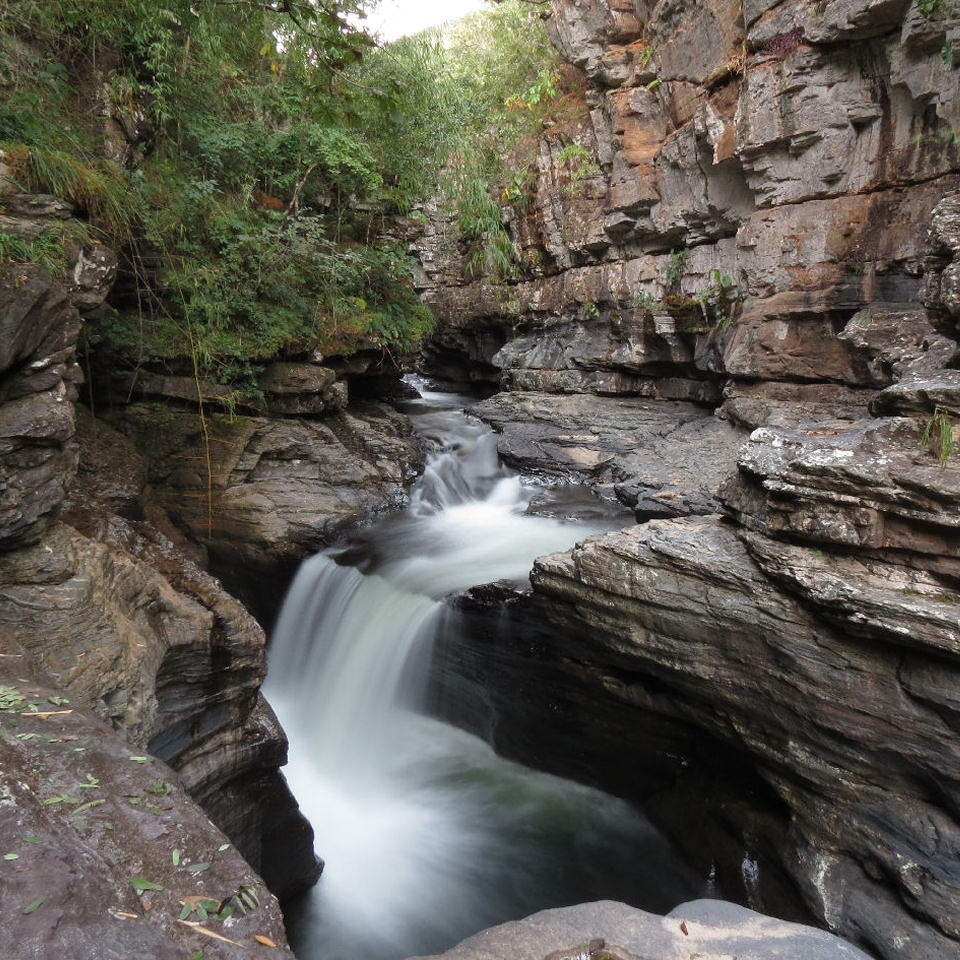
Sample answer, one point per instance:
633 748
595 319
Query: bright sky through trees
392 19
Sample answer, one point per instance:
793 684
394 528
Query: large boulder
700 930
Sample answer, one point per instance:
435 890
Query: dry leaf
683 929
266 941
197 899
208 933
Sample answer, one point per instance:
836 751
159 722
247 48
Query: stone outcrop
274 490
103 846
699 930
661 458
108 606
38 454
766 239
849 732
751 187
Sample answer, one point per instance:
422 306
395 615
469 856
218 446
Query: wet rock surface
700 930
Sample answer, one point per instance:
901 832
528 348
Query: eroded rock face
280 489
109 607
685 603
759 175
769 231
38 454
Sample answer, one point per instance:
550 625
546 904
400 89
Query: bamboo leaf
141 885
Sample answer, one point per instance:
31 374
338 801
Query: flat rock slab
700 930
664 458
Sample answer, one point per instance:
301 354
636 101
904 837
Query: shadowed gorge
570 393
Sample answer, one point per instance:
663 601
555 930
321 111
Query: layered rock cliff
109 612
751 225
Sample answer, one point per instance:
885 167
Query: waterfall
426 834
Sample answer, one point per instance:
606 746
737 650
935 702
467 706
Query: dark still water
427 835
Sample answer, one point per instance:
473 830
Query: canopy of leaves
274 140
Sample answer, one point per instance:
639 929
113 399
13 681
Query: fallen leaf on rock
140 884
683 929
266 941
33 906
208 933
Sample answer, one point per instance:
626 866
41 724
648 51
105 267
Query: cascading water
427 835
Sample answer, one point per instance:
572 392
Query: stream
427 835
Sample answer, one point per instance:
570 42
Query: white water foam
426 834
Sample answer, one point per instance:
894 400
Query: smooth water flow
427 835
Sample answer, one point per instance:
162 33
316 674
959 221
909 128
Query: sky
396 18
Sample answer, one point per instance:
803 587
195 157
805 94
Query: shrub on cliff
247 215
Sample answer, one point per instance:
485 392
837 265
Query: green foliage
449 106
519 187
259 194
930 8
45 250
480 218
675 267
937 435
578 164
540 91
719 299
100 189
274 141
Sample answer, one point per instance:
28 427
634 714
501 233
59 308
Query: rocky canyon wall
106 614
738 313
107 609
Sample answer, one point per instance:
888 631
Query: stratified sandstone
847 731
274 490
